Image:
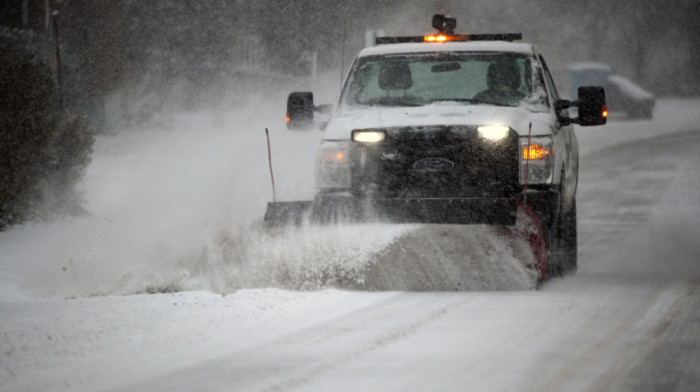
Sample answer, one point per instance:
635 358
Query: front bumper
330 208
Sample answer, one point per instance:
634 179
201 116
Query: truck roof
469 46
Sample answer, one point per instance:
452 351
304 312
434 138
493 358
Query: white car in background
621 94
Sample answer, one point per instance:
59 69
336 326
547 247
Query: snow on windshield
503 79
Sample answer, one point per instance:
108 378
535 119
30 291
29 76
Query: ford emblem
433 164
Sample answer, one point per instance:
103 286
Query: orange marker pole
269 160
527 162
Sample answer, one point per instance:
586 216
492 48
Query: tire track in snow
662 351
386 338
617 350
328 345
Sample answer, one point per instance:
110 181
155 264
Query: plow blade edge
325 210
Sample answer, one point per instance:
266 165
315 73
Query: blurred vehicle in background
621 94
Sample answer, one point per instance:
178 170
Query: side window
549 80
364 82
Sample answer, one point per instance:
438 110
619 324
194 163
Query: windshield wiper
470 100
391 101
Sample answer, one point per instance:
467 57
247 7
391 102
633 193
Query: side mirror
591 106
300 110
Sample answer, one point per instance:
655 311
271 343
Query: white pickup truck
451 129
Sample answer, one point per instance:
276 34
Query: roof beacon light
444 24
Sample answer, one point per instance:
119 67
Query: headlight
493 133
332 168
368 136
536 160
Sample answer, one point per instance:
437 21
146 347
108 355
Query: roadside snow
100 342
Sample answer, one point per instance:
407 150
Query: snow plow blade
326 210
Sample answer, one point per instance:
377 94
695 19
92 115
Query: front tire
570 240
554 242
549 210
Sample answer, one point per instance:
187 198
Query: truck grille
436 162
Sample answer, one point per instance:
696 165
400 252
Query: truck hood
341 124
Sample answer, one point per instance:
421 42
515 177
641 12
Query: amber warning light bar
436 38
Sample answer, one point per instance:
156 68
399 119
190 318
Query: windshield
503 79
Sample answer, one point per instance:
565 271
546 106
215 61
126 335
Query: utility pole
47 15
25 13
59 81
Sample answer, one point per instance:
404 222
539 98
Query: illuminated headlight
493 133
536 160
332 168
368 136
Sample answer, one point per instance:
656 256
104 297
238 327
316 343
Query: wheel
570 241
549 210
554 244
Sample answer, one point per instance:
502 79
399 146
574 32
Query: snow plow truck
448 128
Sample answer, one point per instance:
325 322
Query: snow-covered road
71 318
